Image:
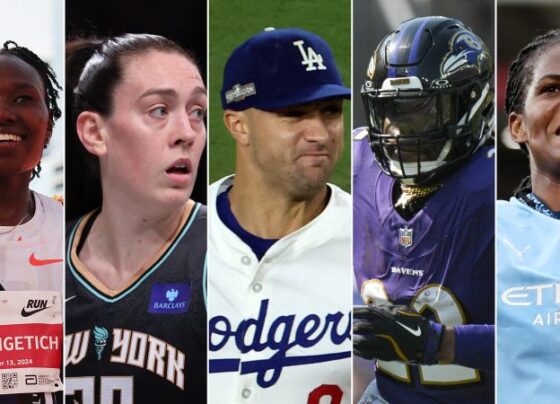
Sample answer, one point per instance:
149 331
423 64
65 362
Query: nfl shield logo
405 237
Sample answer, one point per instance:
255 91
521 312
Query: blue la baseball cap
280 68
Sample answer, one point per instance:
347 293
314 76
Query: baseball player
424 216
31 244
528 245
136 321
279 273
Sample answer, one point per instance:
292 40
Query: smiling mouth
8 137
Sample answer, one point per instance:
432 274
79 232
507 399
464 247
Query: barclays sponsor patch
169 298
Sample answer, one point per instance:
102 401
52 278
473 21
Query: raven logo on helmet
465 52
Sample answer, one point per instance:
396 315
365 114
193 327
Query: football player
424 216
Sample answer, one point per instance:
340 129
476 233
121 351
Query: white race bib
30 342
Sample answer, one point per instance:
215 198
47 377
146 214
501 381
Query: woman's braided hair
519 78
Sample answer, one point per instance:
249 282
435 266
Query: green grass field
232 22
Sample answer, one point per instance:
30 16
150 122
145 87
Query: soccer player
424 216
136 321
31 241
279 277
529 231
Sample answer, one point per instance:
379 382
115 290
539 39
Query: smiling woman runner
136 321
30 229
529 231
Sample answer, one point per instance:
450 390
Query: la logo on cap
310 58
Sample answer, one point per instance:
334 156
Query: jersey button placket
257 284
254 297
246 389
246 393
257 287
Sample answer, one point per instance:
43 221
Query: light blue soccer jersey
528 304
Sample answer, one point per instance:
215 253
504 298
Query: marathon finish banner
30 342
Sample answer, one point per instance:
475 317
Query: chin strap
411 193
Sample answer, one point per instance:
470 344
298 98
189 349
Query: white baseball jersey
279 328
31 254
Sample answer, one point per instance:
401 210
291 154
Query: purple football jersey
440 262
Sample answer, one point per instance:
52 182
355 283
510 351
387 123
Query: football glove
395 333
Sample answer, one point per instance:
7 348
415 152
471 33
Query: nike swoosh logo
69 298
416 332
36 262
25 313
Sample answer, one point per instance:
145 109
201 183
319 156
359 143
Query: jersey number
108 386
325 390
448 311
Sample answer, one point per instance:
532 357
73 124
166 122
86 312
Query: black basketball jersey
146 343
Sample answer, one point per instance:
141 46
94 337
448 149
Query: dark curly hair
49 81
